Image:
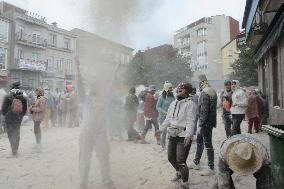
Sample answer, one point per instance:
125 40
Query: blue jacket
163 104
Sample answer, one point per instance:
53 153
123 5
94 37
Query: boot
177 177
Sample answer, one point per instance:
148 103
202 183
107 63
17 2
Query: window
21 33
36 37
3 58
201 32
4 27
275 78
69 66
20 54
61 64
202 56
50 63
52 40
67 43
36 56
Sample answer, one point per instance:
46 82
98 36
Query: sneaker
207 172
177 177
184 185
194 166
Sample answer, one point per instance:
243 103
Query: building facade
35 59
101 57
230 53
201 42
4 50
265 30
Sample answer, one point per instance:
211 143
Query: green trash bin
276 137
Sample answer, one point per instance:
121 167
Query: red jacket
150 110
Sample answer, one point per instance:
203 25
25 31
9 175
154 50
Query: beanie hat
203 82
167 86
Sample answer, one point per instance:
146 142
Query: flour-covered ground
134 166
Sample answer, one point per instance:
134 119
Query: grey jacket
207 107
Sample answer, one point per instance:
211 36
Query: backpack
17 106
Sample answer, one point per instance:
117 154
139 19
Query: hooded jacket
181 114
150 106
239 100
38 109
10 117
207 107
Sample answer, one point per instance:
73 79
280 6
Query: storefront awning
271 38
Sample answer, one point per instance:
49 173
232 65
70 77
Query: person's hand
187 141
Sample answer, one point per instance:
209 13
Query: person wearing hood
180 125
207 107
151 114
163 104
239 106
38 112
131 106
14 107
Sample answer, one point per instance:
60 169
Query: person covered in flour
243 155
180 125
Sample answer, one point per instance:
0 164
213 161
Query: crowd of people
44 108
184 112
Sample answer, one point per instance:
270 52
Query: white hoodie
239 99
181 114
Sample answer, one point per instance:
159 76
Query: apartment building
41 55
201 43
230 53
4 50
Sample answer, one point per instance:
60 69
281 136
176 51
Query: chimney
54 24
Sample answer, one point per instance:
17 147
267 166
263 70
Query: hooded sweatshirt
239 99
181 115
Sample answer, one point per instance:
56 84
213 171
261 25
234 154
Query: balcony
32 65
70 76
32 18
55 47
31 40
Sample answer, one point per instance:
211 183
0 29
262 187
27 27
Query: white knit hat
167 86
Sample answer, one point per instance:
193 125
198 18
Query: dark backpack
17 106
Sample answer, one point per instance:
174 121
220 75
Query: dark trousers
13 131
237 120
177 156
253 122
224 180
204 138
228 124
37 131
149 124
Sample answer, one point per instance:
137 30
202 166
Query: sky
152 28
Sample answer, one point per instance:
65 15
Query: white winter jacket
239 99
181 115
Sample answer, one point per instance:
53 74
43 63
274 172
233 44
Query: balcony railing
28 64
32 18
31 40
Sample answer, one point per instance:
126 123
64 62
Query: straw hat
243 158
